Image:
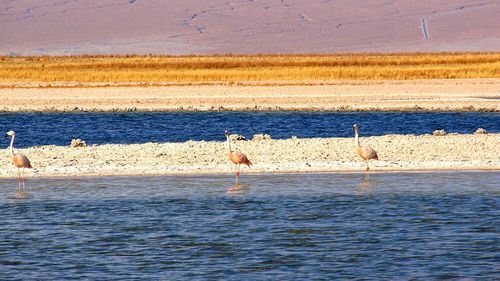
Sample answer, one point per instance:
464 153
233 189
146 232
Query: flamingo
365 152
19 160
236 157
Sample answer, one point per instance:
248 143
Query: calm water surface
272 227
99 128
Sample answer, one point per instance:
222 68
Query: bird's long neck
356 138
12 145
228 144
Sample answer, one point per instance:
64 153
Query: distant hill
58 27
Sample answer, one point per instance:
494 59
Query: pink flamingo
365 152
236 157
19 160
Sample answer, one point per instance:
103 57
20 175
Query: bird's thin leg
237 170
19 177
367 167
24 187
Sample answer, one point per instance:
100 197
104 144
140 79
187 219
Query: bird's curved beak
6 135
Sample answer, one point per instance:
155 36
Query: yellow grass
241 68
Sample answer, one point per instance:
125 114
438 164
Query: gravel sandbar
396 153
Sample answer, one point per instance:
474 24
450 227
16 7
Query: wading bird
237 157
19 160
364 152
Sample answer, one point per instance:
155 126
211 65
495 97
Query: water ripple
310 226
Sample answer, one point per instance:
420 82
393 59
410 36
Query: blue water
99 128
392 226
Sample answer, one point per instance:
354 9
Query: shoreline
248 172
443 109
397 153
433 95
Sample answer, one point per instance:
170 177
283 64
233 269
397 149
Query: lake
124 128
441 225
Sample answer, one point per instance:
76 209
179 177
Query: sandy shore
432 95
396 153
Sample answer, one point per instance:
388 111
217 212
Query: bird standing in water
365 152
19 160
236 157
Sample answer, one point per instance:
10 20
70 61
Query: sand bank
405 95
396 153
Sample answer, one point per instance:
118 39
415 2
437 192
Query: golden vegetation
247 68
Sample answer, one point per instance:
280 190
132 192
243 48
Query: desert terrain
66 27
407 95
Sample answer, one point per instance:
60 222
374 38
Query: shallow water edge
230 174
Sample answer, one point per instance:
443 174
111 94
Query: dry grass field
247 68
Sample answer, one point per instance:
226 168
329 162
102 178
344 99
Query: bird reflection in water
237 189
21 194
365 184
